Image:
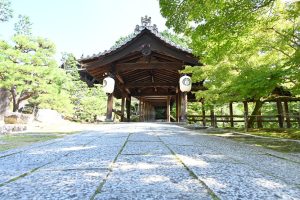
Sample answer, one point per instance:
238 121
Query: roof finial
146 23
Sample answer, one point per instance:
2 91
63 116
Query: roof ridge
146 25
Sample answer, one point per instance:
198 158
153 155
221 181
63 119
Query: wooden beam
150 84
125 91
157 65
158 93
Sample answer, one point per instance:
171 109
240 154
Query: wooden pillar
183 117
122 109
140 109
149 111
246 111
146 111
203 114
128 105
231 114
110 101
280 113
177 107
168 109
287 114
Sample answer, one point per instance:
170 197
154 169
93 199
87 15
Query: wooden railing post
246 121
280 113
231 114
215 122
287 114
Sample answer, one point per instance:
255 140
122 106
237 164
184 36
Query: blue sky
83 26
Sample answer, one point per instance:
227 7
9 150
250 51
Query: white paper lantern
185 83
108 85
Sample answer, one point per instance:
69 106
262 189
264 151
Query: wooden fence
212 120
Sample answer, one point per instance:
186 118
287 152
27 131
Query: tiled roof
138 30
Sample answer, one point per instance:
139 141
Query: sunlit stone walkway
147 161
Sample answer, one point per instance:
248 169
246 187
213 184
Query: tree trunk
203 114
212 117
14 98
258 105
17 100
259 120
4 103
280 113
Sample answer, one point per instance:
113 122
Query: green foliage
122 40
182 41
88 102
91 104
248 47
23 26
27 67
5 10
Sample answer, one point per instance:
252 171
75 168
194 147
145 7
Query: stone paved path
147 161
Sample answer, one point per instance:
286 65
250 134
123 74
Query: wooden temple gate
145 66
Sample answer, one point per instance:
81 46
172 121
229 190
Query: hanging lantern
185 83
108 85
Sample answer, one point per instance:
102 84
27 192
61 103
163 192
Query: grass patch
277 133
269 143
23 139
277 145
272 132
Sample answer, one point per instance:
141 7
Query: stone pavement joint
35 169
110 169
192 174
147 161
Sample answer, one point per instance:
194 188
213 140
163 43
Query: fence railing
212 120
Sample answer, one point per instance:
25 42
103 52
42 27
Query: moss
24 139
270 132
277 133
277 145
